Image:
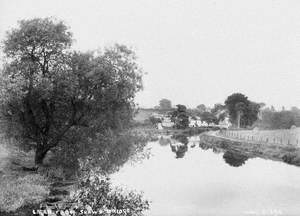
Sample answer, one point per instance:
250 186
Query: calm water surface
188 179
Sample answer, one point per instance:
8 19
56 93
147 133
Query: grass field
143 115
17 187
283 137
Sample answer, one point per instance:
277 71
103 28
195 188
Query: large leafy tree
242 111
209 117
165 104
201 108
50 94
180 117
251 114
218 108
280 120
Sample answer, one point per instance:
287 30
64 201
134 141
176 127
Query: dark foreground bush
292 158
96 196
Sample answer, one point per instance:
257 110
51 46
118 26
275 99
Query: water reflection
217 150
179 150
180 144
209 182
179 147
234 159
204 146
181 138
164 141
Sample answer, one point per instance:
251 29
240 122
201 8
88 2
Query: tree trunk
40 154
239 120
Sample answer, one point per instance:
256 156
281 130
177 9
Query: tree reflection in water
164 141
234 159
179 150
204 146
217 150
181 138
180 147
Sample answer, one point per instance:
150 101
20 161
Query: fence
282 137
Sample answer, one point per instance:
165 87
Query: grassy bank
23 189
19 188
279 137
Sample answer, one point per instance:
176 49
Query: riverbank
21 189
289 154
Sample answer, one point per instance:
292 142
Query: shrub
96 193
154 120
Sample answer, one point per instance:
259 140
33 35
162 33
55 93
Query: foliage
221 117
182 138
154 120
182 148
52 97
234 159
180 117
107 150
214 115
96 193
218 108
209 117
165 104
242 112
201 108
291 158
116 149
16 192
179 150
279 120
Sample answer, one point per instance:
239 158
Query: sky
193 51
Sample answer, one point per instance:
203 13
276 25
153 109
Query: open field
144 114
281 137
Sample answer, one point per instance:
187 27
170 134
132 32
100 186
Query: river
185 179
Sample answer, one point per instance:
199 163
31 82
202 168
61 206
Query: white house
197 122
192 122
166 122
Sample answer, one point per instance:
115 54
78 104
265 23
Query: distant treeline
242 113
284 119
